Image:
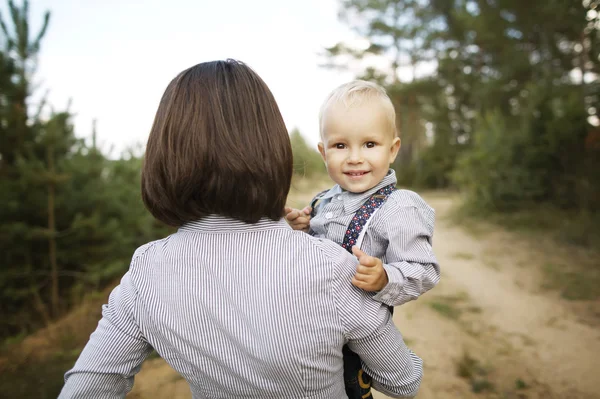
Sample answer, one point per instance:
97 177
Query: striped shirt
399 233
243 311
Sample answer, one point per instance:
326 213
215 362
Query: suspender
360 221
314 201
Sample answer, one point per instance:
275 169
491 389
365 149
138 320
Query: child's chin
357 188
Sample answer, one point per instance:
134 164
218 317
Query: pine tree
70 217
21 157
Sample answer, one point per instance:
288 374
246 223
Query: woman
236 301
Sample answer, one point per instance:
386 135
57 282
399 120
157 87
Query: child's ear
321 148
394 149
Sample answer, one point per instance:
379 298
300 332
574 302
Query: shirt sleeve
371 333
411 266
113 355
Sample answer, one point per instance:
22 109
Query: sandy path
488 321
519 333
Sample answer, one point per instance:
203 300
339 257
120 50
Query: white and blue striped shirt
243 311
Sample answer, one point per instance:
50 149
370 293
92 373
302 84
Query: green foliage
492 173
70 216
424 161
307 161
573 283
537 156
36 379
433 168
503 116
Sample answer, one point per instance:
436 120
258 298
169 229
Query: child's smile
356 175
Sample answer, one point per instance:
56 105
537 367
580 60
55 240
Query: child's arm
371 333
411 266
300 219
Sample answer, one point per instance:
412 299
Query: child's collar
353 201
335 190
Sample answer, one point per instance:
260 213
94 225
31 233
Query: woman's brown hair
218 145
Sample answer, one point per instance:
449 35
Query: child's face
358 146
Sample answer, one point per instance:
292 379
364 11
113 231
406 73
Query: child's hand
370 274
298 219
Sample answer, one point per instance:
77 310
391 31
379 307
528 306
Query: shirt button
339 197
329 215
386 297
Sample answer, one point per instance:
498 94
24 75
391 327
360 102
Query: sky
114 58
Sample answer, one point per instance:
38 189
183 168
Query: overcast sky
114 58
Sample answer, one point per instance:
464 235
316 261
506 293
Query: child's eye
339 146
370 144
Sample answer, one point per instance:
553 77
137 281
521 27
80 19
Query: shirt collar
335 190
353 201
223 224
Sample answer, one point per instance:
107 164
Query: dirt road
490 329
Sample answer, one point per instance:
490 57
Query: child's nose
355 157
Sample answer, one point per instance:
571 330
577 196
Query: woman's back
242 310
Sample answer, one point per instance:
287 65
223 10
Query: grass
463 255
492 264
474 309
446 310
462 296
574 227
14 340
469 221
472 370
573 285
34 366
34 378
452 306
520 384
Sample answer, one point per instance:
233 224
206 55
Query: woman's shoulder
145 252
143 249
323 251
318 245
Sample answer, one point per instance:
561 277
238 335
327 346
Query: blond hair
353 93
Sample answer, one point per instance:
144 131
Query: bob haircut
355 93
218 146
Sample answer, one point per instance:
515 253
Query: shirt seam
335 279
135 293
224 232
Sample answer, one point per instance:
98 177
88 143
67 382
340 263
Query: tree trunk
38 303
52 232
